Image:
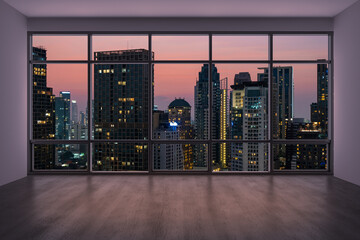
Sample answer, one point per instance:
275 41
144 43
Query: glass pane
300 156
59 101
181 107
240 102
120 157
60 156
190 47
120 47
240 47
180 157
297 47
300 101
241 157
61 47
120 101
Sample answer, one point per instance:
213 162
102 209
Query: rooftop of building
179 102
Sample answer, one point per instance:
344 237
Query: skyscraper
202 113
62 112
74 112
249 121
43 113
166 156
282 102
224 121
322 98
180 115
121 97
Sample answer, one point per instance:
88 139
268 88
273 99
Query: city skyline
239 104
74 47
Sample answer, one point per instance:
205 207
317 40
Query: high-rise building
241 77
322 98
282 102
74 112
202 114
224 121
83 118
62 113
180 116
249 121
304 156
166 156
314 113
319 110
121 104
43 113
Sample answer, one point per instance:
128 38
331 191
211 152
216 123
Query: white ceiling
180 8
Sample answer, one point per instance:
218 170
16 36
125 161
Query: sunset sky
178 80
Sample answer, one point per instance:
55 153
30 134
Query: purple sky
178 80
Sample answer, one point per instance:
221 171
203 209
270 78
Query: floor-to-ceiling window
210 102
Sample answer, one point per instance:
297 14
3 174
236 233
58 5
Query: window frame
150 141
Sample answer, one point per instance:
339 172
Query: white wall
347 91
180 24
13 119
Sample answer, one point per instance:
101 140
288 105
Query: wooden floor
180 207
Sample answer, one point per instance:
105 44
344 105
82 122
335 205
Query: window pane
300 101
240 47
121 101
60 156
180 157
119 47
190 47
241 157
240 102
181 96
120 157
61 47
297 47
300 156
59 101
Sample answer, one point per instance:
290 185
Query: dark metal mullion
89 115
330 157
150 105
30 158
210 94
270 102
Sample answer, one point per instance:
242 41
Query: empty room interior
179 119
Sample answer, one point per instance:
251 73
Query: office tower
304 156
202 114
249 121
241 77
121 104
62 113
180 116
322 98
282 102
314 113
237 95
224 119
83 118
74 112
43 113
319 110
166 156
78 131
